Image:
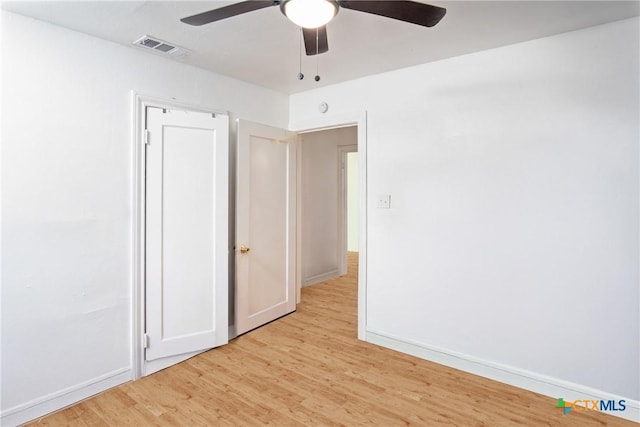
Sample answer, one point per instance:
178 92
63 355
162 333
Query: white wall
320 202
66 200
512 237
513 233
353 202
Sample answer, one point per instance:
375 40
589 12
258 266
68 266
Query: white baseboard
542 384
320 277
46 404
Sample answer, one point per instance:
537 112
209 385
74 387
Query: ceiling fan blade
310 41
407 11
228 11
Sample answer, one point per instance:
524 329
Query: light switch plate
384 201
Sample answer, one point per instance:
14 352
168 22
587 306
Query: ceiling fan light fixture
309 13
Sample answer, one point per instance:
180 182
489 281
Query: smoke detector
160 46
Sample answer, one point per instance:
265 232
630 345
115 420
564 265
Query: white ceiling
262 47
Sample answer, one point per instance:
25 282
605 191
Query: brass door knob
244 249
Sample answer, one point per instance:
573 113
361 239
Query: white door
265 225
187 252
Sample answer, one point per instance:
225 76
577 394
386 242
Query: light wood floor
308 368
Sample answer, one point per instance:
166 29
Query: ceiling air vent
160 46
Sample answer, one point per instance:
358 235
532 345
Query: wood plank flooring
309 369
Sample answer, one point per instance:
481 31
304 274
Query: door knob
244 249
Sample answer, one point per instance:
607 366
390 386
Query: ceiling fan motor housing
309 13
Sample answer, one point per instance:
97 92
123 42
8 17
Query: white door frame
332 121
343 150
139 103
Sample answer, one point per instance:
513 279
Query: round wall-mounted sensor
323 107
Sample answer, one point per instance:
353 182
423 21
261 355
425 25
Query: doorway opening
357 122
324 203
352 208
350 214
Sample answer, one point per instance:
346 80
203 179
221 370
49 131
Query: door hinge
145 341
146 137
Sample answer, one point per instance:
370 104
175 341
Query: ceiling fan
313 15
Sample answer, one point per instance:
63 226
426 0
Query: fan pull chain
300 75
317 77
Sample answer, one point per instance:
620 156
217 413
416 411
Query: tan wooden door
265 225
